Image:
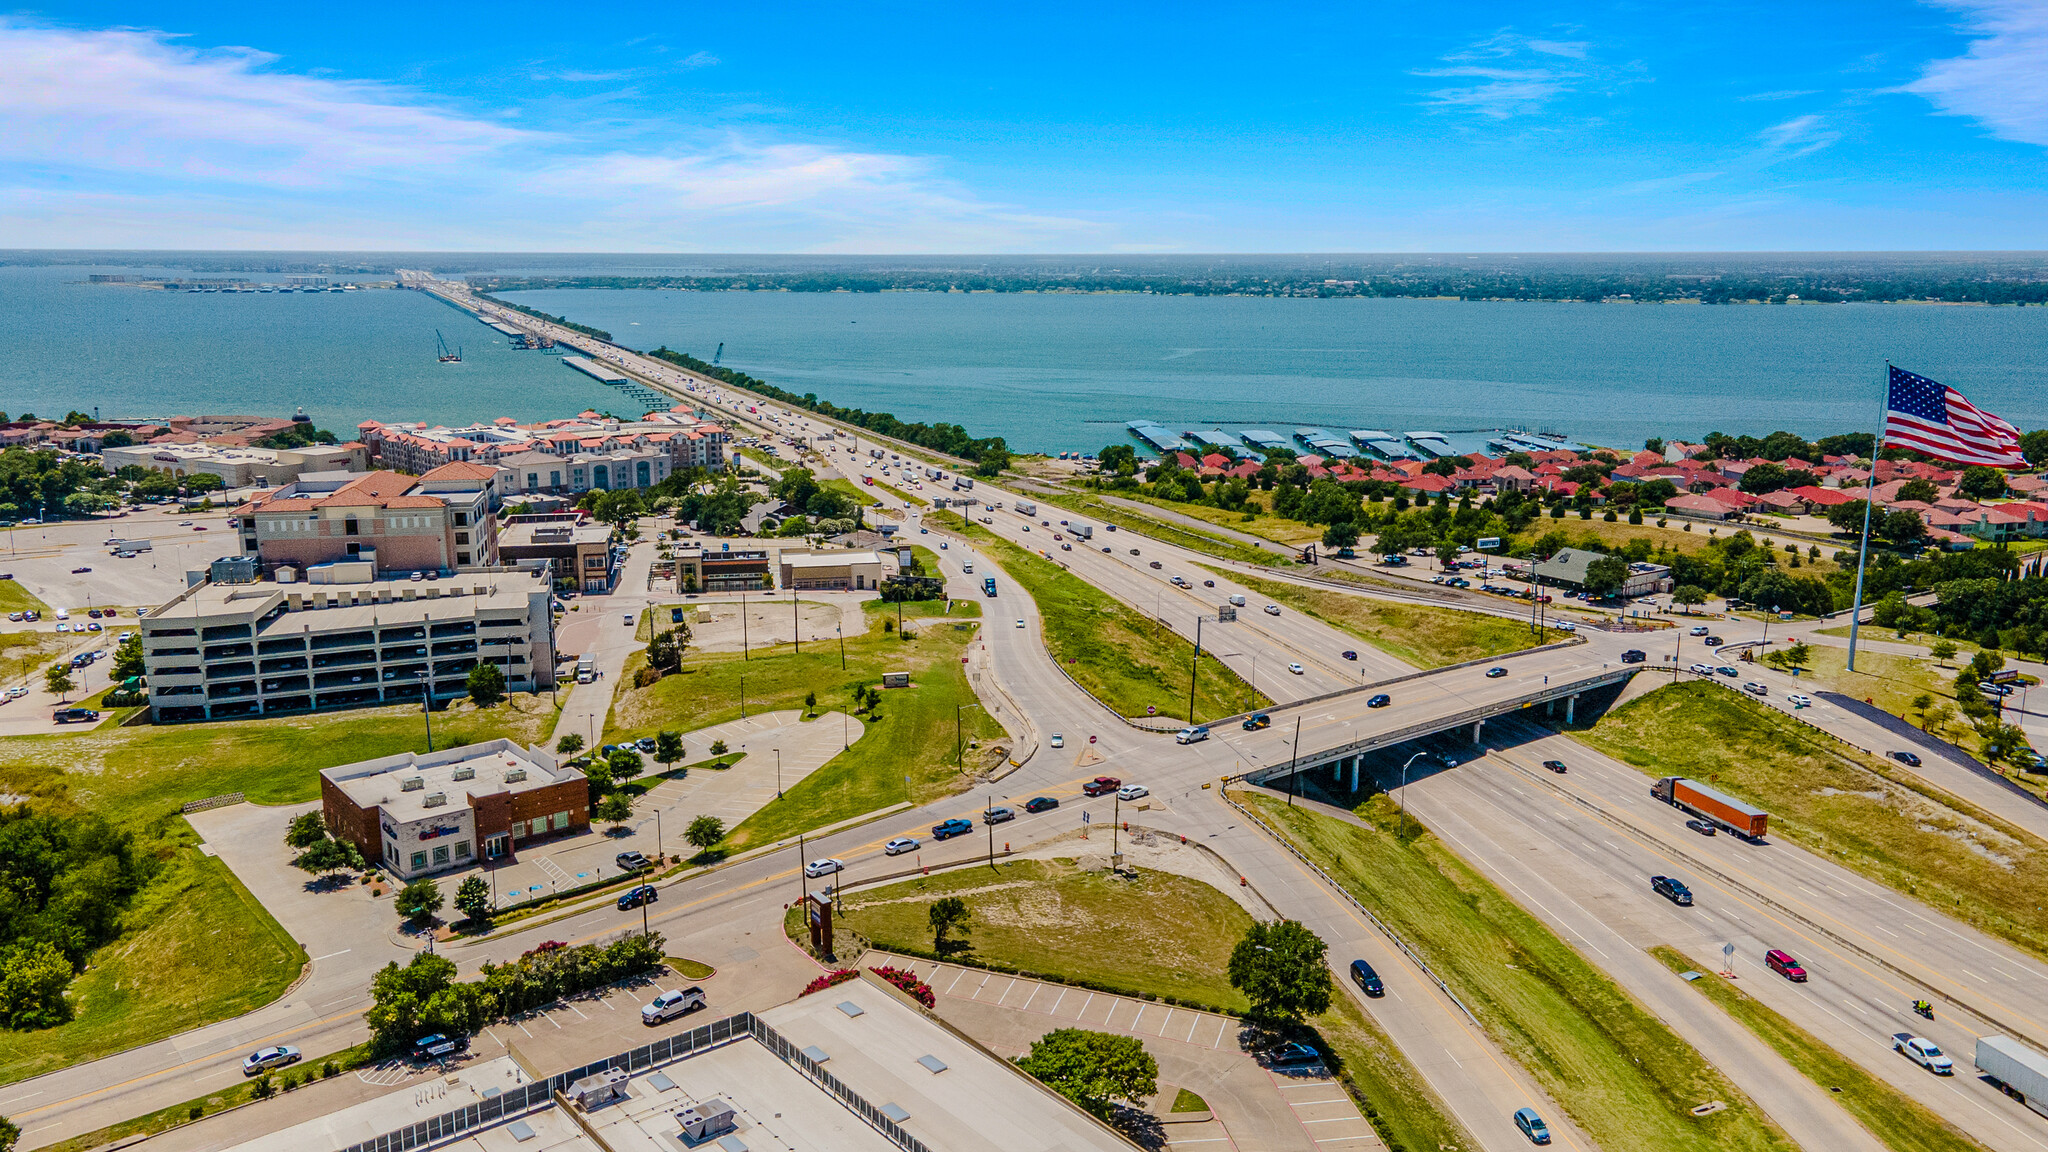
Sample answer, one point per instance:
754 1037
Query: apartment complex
438 522
343 639
636 453
417 814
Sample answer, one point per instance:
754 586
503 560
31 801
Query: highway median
1416 634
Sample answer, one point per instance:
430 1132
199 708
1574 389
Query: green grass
15 598
137 773
1186 1101
913 738
1417 634
1265 525
1163 936
690 969
1193 539
959 525
196 948
1900 1122
1122 657
900 494
1831 799
178 1115
1072 926
1622 1075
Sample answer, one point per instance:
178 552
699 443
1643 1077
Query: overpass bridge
1340 730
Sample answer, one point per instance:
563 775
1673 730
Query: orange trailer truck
1712 806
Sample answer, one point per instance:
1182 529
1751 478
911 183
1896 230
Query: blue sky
1035 128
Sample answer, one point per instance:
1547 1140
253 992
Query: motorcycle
1923 1008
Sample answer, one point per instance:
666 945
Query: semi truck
988 586
1714 807
2016 1070
1082 530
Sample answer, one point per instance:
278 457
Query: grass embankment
900 494
1831 799
1417 634
196 948
139 773
1898 1121
15 598
1622 1075
1120 656
913 737
1263 524
1193 539
1071 926
178 1115
1186 1101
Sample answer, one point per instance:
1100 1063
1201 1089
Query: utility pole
1293 758
796 634
841 629
743 625
1194 668
427 705
743 695
778 773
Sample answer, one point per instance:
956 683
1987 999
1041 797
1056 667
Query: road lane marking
331 955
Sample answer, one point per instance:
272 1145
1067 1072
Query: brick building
418 814
441 521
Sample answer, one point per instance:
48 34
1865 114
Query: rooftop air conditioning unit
435 800
515 775
412 783
465 774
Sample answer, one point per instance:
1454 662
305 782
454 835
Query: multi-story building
726 569
679 435
579 551
532 472
444 520
842 571
239 467
418 814
343 639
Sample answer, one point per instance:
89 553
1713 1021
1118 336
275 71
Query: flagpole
1869 490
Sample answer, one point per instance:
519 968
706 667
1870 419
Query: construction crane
447 356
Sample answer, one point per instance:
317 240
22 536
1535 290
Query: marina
1362 443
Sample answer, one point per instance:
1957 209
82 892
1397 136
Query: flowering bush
909 984
837 976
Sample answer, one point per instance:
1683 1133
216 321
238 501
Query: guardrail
1412 955
220 801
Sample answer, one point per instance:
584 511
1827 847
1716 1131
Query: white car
900 845
63 627
671 1004
1923 1052
264 1059
1020 623
1059 741
1702 669
1799 701
1272 609
1133 792
17 693
1698 630
627 619
1294 668
1756 689
824 867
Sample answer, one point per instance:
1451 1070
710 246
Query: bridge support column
1476 726
1356 763
1550 707
1570 703
1336 771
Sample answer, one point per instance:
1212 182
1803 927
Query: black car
1556 766
1906 758
643 894
1712 641
631 861
1495 673
1634 656
1673 889
1348 654
1701 827
436 1046
1041 804
1257 721
1292 1054
951 828
1368 981
1379 701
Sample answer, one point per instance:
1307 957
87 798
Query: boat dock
1384 445
1156 436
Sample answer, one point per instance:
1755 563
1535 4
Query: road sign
1087 819
1728 951
1091 739
1226 615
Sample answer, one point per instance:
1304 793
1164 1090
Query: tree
1446 554
705 832
1920 704
1938 719
409 1002
718 747
1279 968
1343 534
948 914
2002 741
1919 488
1605 576
33 976
473 897
616 808
1690 595
625 763
1093 1069
10 1133
305 830
1902 526
569 745
420 899
665 651
58 681
1764 478
128 657
486 684
1798 654
1981 483
324 856
1943 651
668 748
811 703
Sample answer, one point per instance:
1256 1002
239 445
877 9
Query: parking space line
1221 1027
1007 988
1033 995
1165 1022
956 980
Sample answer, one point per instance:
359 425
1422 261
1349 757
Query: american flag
1931 417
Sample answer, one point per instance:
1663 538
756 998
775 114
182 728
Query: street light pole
743 695
743 625
1402 799
1293 758
796 629
1194 668
778 773
841 630
427 705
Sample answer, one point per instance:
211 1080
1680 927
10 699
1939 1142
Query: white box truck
1082 530
1026 508
2017 1070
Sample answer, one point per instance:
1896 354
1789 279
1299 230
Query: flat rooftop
393 1110
829 559
331 607
473 769
530 535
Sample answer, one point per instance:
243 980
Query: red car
1784 965
1101 786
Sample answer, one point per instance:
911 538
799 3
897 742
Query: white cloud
2002 82
1505 86
1781 94
1799 136
138 102
698 60
1576 49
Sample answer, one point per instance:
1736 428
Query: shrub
829 979
909 985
